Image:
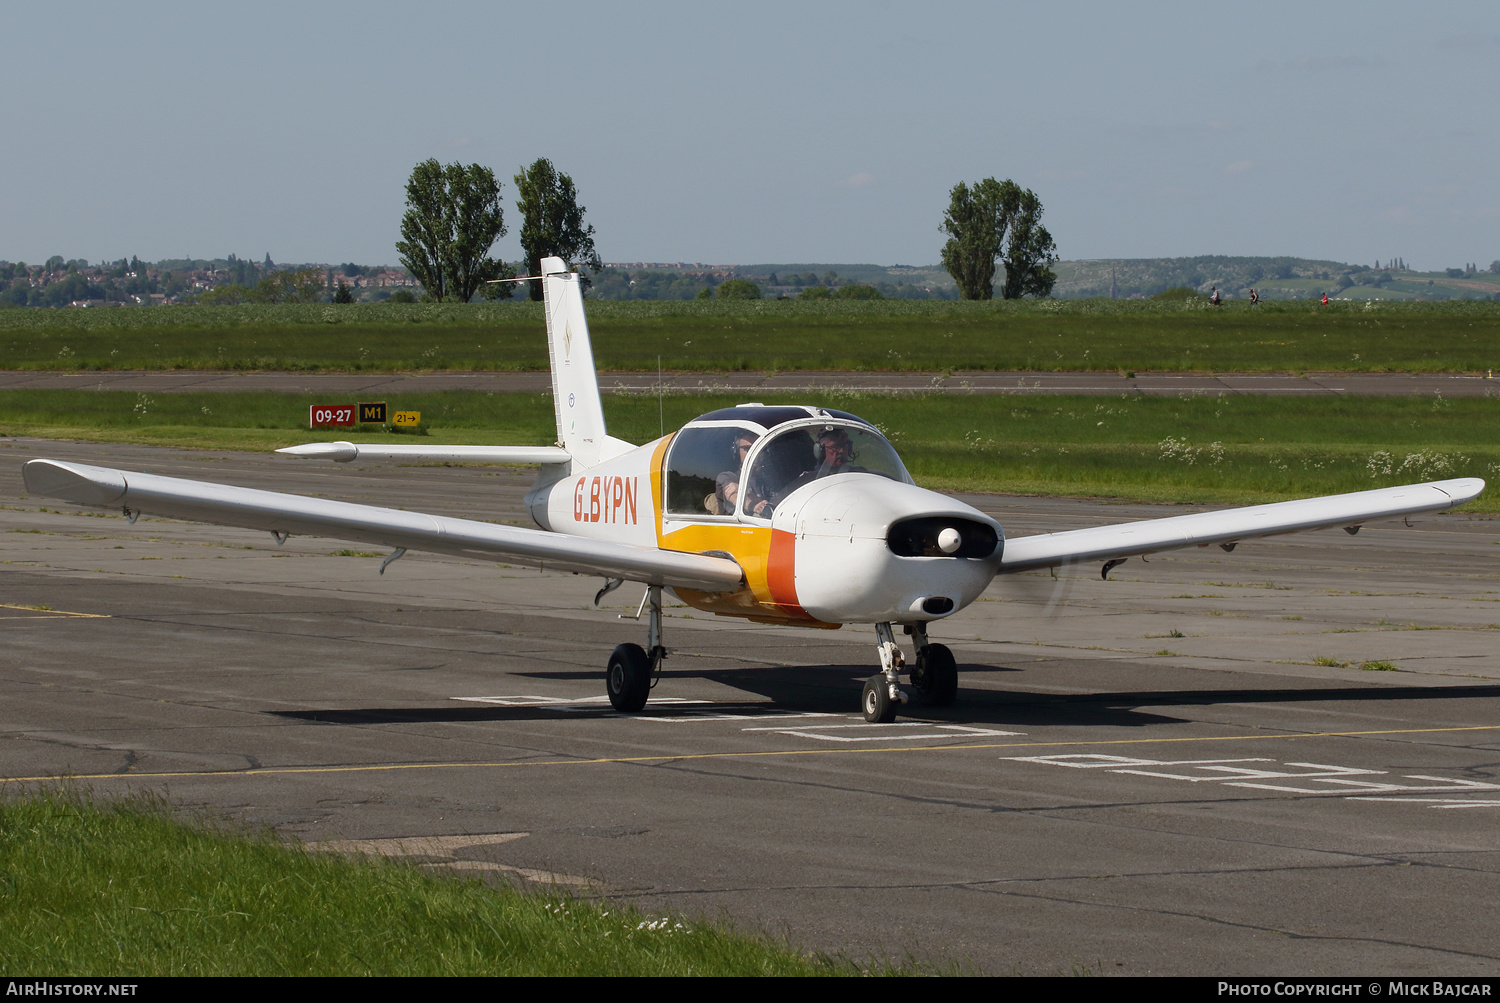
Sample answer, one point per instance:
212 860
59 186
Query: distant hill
1273 277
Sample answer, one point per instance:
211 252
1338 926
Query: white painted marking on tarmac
527 700
1438 802
1302 778
747 712
881 732
671 710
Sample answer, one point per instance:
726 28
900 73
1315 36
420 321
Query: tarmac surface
793 381
1182 770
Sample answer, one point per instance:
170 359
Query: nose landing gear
935 674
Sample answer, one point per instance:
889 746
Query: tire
628 678
876 701
938 674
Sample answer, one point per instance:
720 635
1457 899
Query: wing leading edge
1230 526
248 508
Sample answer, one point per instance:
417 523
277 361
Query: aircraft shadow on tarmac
831 689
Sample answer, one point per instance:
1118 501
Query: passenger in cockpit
727 486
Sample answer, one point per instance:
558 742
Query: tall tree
994 220
552 221
1030 251
453 218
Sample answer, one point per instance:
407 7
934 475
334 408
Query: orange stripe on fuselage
781 569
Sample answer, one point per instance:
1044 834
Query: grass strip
1037 335
123 890
1206 449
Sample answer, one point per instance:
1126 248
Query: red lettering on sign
617 493
594 500
630 490
578 500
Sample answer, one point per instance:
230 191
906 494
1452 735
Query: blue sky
767 132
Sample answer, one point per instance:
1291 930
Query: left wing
344 452
1229 526
226 505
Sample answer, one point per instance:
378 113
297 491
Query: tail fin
575 385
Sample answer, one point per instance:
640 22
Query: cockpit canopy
744 460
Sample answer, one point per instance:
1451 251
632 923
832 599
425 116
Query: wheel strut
883 692
655 650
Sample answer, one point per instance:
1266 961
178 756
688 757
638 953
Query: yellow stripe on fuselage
750 546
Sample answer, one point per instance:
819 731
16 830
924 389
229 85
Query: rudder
575 385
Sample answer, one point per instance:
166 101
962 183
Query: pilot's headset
835 431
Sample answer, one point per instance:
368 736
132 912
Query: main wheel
628 679
936 675
876 701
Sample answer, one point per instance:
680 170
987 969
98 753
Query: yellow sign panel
406 418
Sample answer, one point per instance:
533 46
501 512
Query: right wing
226 505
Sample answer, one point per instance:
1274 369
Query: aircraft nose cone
949 540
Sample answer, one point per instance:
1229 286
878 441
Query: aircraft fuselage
831 544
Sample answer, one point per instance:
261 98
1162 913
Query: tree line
454 216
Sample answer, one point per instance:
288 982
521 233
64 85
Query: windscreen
799 456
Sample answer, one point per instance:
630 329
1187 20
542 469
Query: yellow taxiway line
683 757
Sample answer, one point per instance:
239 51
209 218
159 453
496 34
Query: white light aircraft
788 515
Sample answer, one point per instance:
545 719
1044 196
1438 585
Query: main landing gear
632 669
935 675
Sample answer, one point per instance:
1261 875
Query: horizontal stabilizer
344 452
1132 539
227 505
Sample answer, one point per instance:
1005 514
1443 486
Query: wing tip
340 452
74 482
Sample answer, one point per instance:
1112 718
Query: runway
1155 384
1182 770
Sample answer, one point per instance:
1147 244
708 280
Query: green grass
122 890
1220 449
769 334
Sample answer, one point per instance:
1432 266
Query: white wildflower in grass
974 440
665 923
1177 449
1173 448
1423 465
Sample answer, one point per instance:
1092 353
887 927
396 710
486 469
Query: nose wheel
876 701
934 676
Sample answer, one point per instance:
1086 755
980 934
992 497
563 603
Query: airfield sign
330 415
362 413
